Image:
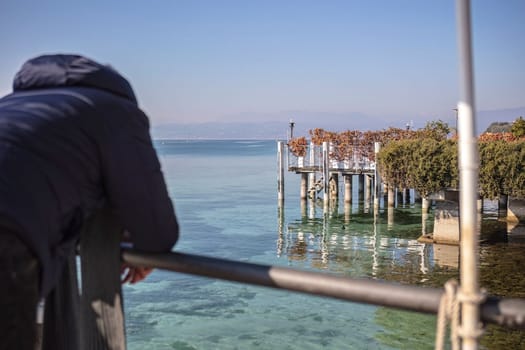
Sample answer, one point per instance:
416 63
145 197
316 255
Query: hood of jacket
61 70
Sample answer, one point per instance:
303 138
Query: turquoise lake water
225 193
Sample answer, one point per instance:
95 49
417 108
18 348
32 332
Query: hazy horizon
280 129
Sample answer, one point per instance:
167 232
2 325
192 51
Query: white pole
280 172
311 164
326 174
468 172
377 180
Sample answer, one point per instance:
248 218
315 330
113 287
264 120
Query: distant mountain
278 126
218 130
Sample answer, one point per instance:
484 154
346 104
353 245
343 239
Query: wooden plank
61 329
101 302
90 317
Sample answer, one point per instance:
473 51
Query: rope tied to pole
449 311
477 299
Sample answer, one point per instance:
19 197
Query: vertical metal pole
280 172
311 174
377 180
312 164
326 174
468 171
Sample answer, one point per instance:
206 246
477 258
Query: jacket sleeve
135 185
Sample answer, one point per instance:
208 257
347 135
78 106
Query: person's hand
133 274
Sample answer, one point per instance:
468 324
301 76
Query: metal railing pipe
506 312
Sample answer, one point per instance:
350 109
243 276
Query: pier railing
313 160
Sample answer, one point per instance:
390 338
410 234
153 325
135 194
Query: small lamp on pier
292 124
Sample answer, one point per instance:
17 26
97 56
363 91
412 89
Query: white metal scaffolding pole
469 295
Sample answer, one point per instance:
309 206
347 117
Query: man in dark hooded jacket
72 140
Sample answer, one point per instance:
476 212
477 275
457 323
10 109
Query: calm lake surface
225 193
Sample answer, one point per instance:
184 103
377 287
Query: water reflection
358 242
446 255
382 244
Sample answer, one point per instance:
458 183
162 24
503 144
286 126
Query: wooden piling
368 185
348 188
425 204
334 186
361 178
503 201
390 218
391 196
304 186
280 172
326 175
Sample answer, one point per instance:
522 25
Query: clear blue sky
192 61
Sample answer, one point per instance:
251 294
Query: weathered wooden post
391 196
503 201
424 218
280 172
425 204
102 304
348 188
361 185
405 196
304 193
304 186
390 218
347 210
334 186
311 208
368 186
303 208
89 317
